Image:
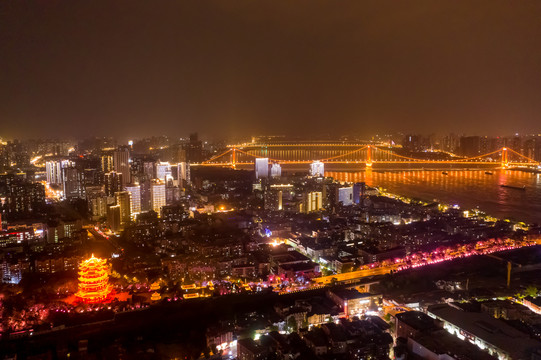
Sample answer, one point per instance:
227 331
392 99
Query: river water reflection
467 188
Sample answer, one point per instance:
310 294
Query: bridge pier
505 158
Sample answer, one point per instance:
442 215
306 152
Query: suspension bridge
367 155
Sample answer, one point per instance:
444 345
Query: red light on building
93 280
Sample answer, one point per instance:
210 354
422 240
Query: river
468 188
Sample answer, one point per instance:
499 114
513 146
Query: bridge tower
234 158
505 157
369 156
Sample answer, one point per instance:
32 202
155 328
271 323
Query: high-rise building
358 192
163 171
123 200
276 170
157 195
194 149
106 163
97 202
470 146
113 217
112 182
73 183
183 174
415 143
317 168
22 197
149 169
4 157
179 155
142 167
274 196
345 195
261 168
146 197
314 201
135 198
53 170
19 154
121 163
172 194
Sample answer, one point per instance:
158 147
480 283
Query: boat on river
514 187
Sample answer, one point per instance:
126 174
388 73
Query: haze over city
136 68
235 180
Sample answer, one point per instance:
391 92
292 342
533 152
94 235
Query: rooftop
441 342
417 320
493 331
350 294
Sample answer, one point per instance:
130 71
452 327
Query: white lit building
157 197
53 170
276 170
73 183
317 168
135 198
183 176
163 171
261 168
345 195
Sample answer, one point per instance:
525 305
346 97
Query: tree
531 291
292 324
273 328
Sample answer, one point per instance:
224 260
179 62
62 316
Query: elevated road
355 275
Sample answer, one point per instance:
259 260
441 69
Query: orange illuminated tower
505 157
93 280
369 156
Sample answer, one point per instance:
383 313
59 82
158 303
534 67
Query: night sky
304 68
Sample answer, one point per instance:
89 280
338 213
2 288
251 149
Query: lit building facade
113 217
73 183
123 200
314 202
97 202
183 174
53 170
112 182
317 168
135 198
276 170
261 168
106 163
157 195
345 195
163 171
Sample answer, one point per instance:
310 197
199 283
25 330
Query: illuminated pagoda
155 286
93 280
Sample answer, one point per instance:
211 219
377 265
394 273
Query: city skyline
137 69
240 180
